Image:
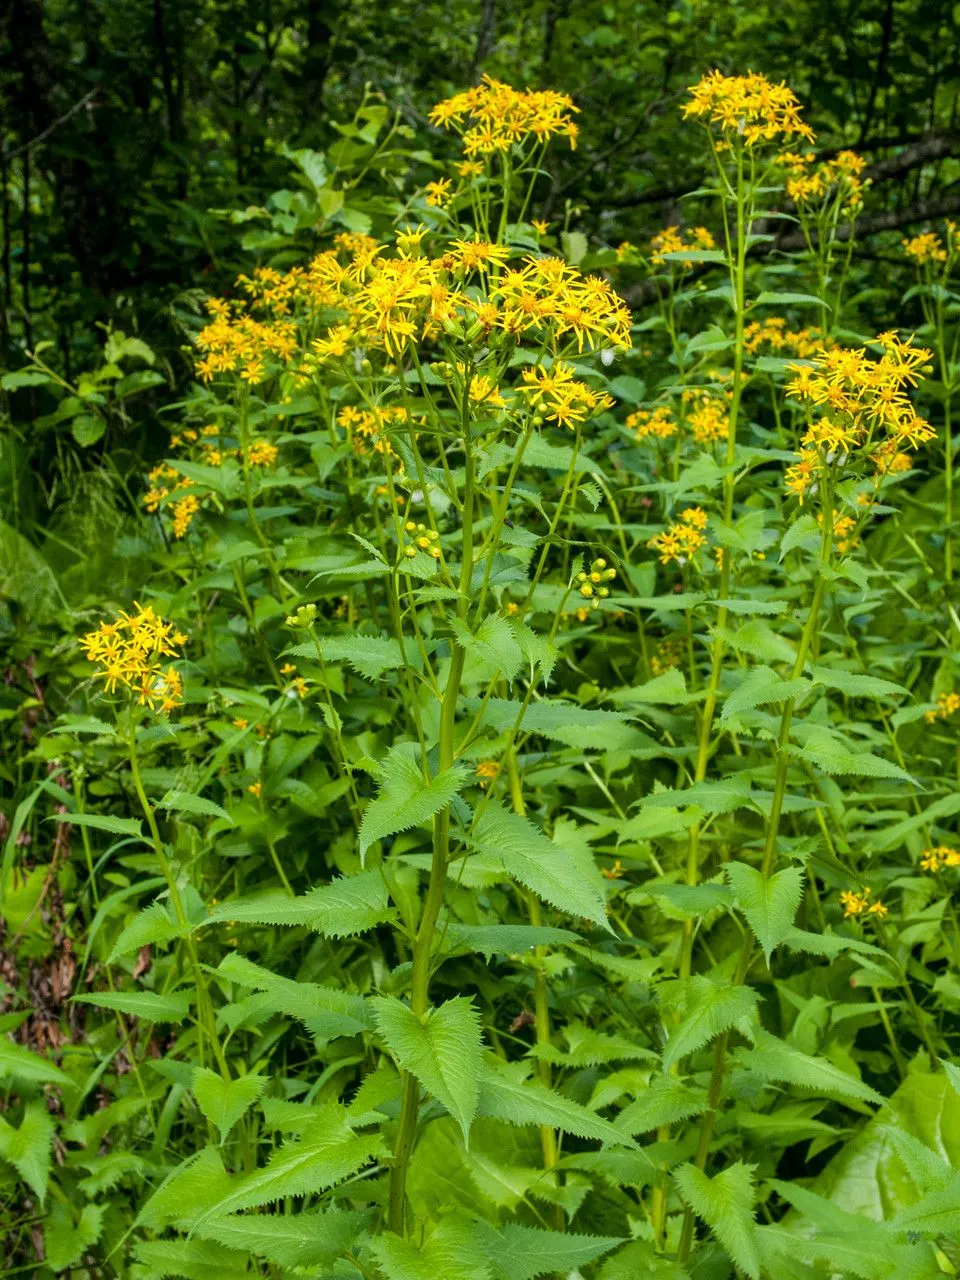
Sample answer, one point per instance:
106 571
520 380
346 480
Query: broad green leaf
761 686
193 1186
84 724
669 688
65 1241
665 1101
689 901
709 1010
223 1102
149 1005
774 1059
325 1010
101 822
370 656
506 1095
892 836
770 904
712 797
184 802
324 1155
804 528
824 751
494 642
150 925
18 1063
582 727
348 905
405 800
190 1259
443 1051
505 939
518 1252
856 686
760 641
537 862
307 1238
725 1203
449 1251
27 1148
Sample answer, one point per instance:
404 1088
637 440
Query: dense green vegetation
479 745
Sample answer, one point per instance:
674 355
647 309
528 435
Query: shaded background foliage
124 126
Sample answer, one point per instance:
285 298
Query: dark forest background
152 149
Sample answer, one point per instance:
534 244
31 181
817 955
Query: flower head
128 652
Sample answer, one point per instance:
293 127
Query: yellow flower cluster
668 654
557 394
774 335
493 117
940 856
367 430
423 539
749 106
808 181
235 342
128 652
486 772
948 704
843 533
925 248
392 303
681 541
708 416
165 480
858 904
658 423
590 585
856 396
675 240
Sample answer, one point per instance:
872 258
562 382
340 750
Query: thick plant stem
206 1020
423 944
705 735
541 1001
718 1071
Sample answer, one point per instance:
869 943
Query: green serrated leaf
537 862
709 1010
223 1102
442 1050
27 1148
184 802
770 903
149 1005
345 906
405 800
725 1203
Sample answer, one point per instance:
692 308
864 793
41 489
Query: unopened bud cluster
305 617
421 539
590 585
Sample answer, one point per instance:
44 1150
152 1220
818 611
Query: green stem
423 944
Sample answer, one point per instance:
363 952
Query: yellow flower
287 669
262 454
492 117
681 541
486 771
438 192
128 652
748 106
240 723
478 255
255 789
925 248
539 226
658 423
